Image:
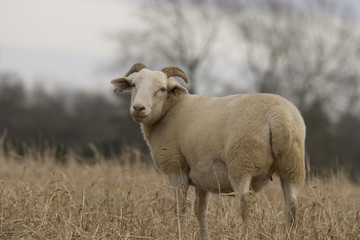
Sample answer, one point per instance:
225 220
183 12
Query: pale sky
65 42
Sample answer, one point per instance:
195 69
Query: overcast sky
61 42
67 43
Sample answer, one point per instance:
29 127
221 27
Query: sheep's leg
180 183
242 190
246 157
291 169
240 181
290 189
200 211
290 194
288 151
241 158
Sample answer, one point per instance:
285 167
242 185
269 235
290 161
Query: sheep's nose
138 108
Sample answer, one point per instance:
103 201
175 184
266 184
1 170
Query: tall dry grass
41 199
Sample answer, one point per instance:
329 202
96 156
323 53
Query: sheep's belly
213 177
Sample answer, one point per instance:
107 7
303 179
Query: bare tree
305 52
308 51
174 32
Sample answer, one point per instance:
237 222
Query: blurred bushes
93 125
65 119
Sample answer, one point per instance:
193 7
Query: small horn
137 67
175 71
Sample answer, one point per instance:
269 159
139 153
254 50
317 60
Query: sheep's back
205 125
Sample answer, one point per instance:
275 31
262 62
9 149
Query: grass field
41 199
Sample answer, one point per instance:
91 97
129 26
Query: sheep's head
151 91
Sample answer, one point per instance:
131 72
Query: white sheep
218 145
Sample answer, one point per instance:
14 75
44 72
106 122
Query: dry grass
40 199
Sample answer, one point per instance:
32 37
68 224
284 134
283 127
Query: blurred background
57 59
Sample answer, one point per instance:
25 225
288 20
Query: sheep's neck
149 129
146 130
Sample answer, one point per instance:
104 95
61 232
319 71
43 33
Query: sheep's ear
175 89
121 84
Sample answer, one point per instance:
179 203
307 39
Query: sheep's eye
162 89
133 85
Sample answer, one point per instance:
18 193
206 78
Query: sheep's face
151 93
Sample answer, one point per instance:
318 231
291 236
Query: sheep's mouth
138 117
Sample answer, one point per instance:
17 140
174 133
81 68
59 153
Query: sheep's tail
287 140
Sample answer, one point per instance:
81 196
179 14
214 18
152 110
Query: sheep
231 144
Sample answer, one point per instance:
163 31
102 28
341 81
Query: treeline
332 146
306 51
64 119
79 120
